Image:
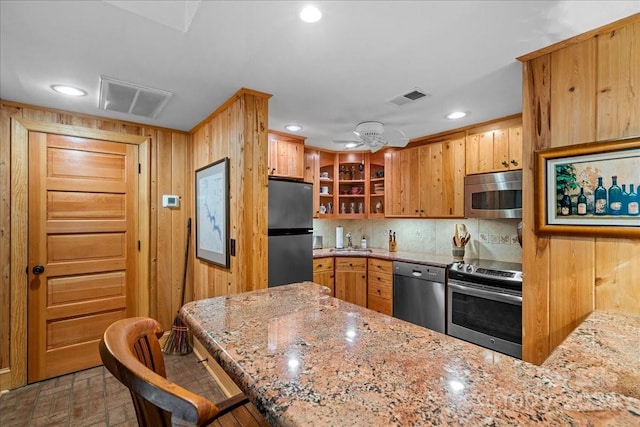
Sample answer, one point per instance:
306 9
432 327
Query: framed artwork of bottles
589 189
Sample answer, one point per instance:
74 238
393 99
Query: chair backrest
131 352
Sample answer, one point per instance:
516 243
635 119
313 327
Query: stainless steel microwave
493 195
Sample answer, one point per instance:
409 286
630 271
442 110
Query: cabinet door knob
504 163
513 162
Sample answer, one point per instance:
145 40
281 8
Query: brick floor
93 397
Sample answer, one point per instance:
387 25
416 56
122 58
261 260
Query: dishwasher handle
416 273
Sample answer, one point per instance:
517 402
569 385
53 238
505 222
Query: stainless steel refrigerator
290 231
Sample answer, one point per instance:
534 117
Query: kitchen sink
350 251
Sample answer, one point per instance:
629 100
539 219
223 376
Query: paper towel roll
339 237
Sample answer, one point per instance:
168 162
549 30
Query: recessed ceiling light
68 90
310 14
292 127
351 145
456 115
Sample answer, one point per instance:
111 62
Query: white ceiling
327 76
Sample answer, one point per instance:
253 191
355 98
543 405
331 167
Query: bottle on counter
565 206
633 204
615 197
600 196
363 242
582 203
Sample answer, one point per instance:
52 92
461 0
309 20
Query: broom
178 341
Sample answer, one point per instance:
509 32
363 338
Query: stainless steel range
484 304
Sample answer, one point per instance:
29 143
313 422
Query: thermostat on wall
170 201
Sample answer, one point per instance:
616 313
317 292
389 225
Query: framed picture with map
212 213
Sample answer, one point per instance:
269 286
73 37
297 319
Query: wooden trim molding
635 18
20 129
239 94
5 380
4 102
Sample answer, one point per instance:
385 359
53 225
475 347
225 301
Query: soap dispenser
363 242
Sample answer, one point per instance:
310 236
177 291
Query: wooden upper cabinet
402 181
312 175
494 150
286 155
515 147
426 181
445 190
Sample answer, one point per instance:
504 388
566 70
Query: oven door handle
495 296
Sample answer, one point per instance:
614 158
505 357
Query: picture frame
562 174
212 213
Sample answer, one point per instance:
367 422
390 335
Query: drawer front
322 264
380 284
350 264
226 384
381 305
380 266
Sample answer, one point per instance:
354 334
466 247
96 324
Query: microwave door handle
500 297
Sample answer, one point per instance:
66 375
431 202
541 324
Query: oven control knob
469 268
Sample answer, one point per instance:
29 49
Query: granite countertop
420 258
305 358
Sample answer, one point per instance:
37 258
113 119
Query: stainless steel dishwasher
419 294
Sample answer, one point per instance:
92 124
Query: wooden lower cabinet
323 272
380 286
351 280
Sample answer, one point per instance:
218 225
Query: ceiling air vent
405 98
130 98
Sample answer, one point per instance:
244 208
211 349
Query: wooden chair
131 352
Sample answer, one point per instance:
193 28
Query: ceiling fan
371 135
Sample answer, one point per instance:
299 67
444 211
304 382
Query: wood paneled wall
170 174
237 130
580 90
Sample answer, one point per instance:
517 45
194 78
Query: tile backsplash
493 239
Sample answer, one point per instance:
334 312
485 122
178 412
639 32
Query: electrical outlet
418 234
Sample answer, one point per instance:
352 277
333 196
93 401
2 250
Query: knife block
393 246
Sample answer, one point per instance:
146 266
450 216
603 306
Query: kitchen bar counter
305 358
420 258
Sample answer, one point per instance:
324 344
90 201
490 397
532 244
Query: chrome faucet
349 242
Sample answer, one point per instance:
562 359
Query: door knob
504 163
38 269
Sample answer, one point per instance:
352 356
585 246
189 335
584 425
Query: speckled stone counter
305 358
420 258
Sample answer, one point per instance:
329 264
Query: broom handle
186 260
